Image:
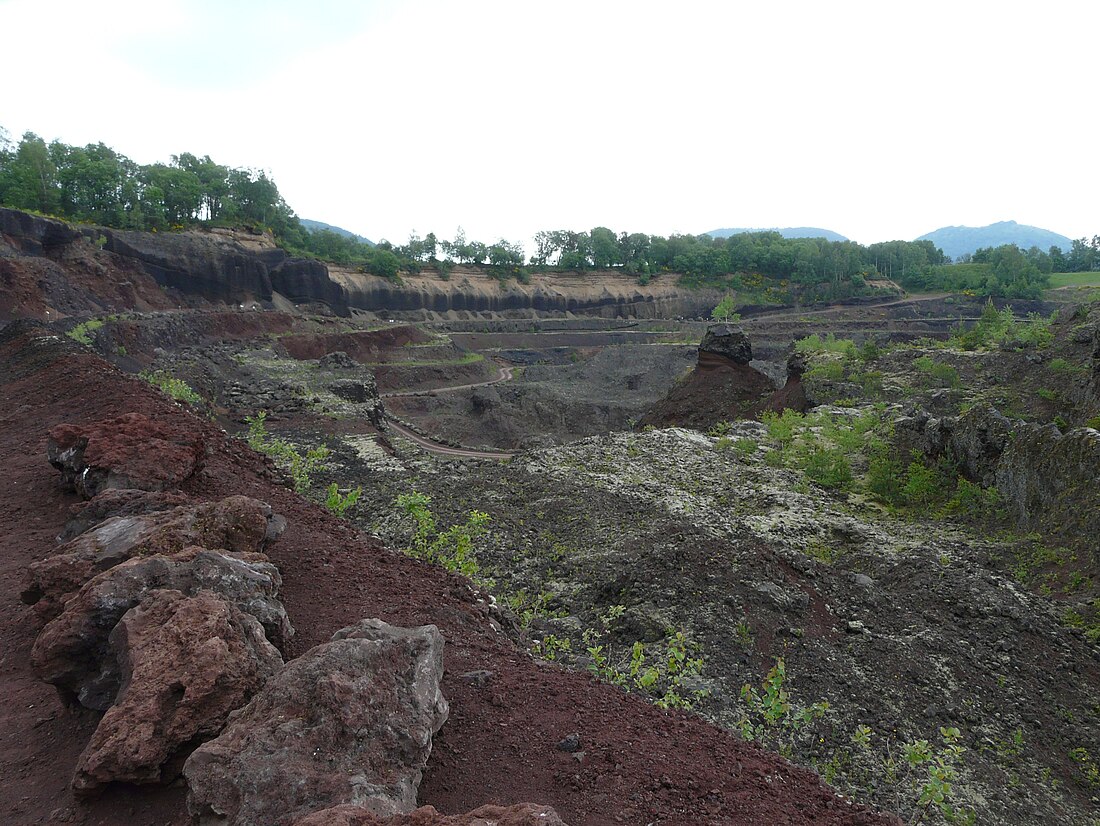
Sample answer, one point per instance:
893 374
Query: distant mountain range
786 232
956 241
317 226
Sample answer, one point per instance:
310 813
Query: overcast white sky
878 120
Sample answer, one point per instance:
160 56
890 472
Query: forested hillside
96 184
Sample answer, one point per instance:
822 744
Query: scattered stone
856 627
479 678
348 722
131 451
74 652
186 663
570 743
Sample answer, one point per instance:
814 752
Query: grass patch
1075 279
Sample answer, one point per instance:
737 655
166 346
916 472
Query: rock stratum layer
50 269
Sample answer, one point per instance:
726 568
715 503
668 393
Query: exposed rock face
131 451
471 290
75 651
237 524
348 722
726 342
362 391
522 814
1045 477
186 663
221 268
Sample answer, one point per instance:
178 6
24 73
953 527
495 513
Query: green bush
340 503
301 467
452 548
178 389
828 467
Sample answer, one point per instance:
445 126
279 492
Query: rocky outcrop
132 451
35 234
186 662
1046 478
348 722
237 524
724 386
523 814
75 651
724 342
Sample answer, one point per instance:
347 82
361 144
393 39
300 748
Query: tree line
96 184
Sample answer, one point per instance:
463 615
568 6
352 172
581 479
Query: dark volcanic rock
74 652
727 342
119 502
521 814
348 722
132 451
337 361
236 523
186 663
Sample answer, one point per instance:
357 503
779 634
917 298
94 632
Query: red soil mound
640 765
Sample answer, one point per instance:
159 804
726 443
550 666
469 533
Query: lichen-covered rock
236 523
521 814
74 651
131 451
186 662
348 722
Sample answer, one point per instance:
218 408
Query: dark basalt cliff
220 266
94 269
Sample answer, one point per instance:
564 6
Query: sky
878 120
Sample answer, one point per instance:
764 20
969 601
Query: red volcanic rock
350 721
131 451
186 663
236 523
75 651
521 814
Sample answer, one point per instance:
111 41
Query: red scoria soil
640 766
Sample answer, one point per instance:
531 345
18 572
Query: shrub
340 503
178 389
452 548
301 467
828 467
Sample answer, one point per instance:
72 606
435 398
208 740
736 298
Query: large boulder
726 342
74 652
131 451
236 523
186 662
521 814
119 502
349 722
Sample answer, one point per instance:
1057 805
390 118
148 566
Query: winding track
504 373
446 450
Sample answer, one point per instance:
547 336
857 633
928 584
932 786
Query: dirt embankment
641 765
